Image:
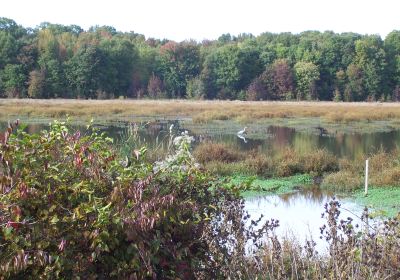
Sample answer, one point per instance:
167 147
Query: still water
268 139
299 213
272 139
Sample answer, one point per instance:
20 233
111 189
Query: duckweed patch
384 201
252 185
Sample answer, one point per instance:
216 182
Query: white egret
242 134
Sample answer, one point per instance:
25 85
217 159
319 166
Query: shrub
259 164
289 163
381 160
342 180
70 208
320 161
388 177
351 166
207 152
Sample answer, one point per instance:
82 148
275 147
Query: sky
208 19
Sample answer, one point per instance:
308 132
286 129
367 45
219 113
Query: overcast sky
208 19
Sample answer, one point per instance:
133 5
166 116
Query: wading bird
242 134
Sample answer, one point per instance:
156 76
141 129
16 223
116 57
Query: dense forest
57 61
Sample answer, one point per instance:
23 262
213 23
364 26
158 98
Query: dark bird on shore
322 131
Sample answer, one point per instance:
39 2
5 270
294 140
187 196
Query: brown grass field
199 111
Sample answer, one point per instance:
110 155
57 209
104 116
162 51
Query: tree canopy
57 61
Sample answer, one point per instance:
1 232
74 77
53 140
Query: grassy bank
200 111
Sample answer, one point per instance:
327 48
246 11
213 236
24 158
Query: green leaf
7 231
54 220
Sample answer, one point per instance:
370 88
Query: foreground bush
69 207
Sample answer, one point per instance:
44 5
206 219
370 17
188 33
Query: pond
266 139
270 139
299 213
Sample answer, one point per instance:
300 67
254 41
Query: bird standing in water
242 134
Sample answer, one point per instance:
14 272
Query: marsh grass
206 152
384 171
342 180
200 111
342 175
260 164
227 169
288 163
224 160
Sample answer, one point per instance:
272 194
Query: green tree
354 90
195 88
145 66
306 74
53 76
117 58
50 63
230 69
370 58
36 84
340 84
11 27
13 80
249 65
7 48
392 50
179 62
82 72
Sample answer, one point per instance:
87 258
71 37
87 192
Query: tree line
57 61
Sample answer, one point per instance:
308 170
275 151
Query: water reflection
299 213
268 139
273 139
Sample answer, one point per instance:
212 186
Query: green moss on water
252 185
384 201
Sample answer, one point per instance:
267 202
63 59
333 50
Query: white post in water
366 177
